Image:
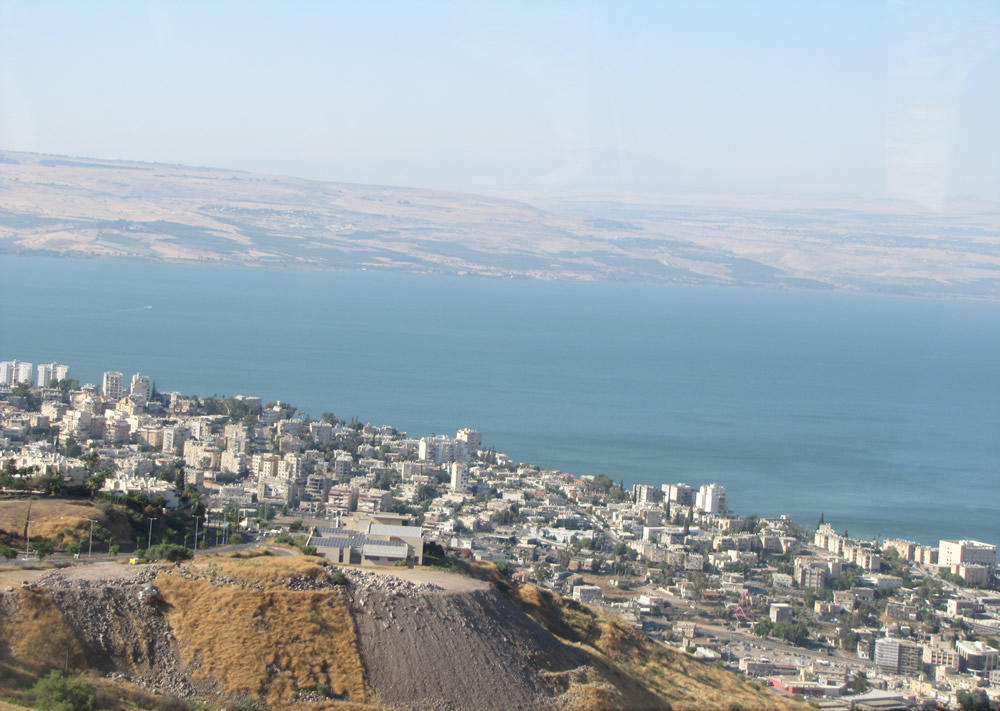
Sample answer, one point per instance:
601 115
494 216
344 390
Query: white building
472 438
681 494
459 478
711 500
13 372
140 385
49 373
966 552
113 384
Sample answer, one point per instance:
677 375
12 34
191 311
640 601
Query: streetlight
27 536
149 541
90 549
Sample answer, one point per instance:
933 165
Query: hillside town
797 606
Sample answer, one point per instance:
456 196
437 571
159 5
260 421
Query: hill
265 631
59 206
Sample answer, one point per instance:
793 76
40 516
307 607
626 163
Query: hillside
59 206
281 632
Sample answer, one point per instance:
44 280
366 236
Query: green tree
763 628
860 683
973 700
42 547
235 539
7 552
73 548
542 572
115 549
57 692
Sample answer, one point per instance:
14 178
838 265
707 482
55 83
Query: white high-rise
49 373
140 385
13 372
113 385
711 500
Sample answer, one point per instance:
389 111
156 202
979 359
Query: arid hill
267 631
59 206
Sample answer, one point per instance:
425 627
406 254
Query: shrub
56 692
115 548
167 551
338 578
309 550
235 539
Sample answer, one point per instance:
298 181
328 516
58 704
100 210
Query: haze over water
883 413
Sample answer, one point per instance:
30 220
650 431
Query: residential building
896 656
459 477
49 373
977 657
473 439
113 385
711 499
140 386
680 494
644 494
966 552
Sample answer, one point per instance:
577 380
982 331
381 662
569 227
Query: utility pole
90 549
27 536
149 541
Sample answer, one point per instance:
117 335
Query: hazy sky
870 99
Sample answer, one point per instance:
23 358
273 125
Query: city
796 606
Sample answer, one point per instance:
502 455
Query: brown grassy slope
631 660
269 643
49 517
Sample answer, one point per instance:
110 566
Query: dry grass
49 517
270 643
258 567
37 637
643 672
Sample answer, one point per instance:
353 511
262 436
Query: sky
843 99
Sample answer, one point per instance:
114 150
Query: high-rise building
967 552
895 656
472 439
459 478
711 499
140 385
14 372
113 385
680 494
49 373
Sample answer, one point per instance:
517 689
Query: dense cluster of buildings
373 495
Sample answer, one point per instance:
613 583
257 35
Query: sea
880 413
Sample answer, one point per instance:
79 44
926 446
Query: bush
56 692
167 551
235 539
338 578
309 550
115 549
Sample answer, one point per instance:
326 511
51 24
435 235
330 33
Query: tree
860 683
973 700
42 547
542 572
763 628
7 552
57 692
115 548
73 548
820 523
235 539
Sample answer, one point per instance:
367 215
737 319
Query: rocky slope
280 632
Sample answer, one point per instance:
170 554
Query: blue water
882 413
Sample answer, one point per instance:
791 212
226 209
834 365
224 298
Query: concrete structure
459 477
967 552
113 384
781 612
140 386
977 657
49 373
711 500
895 656
680 494
473 439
